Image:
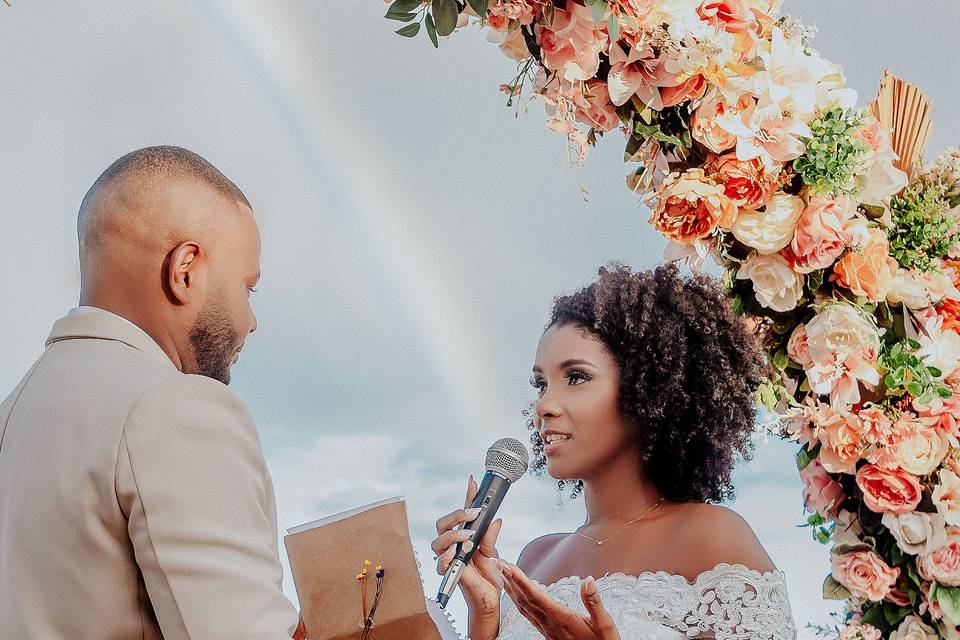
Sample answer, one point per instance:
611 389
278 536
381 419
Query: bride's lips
551 447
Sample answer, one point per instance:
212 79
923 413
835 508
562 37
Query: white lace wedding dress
726 602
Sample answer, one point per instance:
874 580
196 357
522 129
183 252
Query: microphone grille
509 458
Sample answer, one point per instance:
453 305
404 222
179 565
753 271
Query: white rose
775 284
917 533
841 329
770 230
909 289
946 495
919 290
939 348
913 628
878 179
922 452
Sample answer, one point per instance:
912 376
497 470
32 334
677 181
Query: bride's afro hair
689 371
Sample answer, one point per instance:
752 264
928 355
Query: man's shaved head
170 243
143 173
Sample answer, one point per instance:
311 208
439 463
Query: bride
646 388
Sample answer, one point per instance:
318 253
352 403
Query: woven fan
904 111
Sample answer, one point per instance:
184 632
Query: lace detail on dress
728 602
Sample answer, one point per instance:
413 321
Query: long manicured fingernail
591 586
466 534
472 513
468 545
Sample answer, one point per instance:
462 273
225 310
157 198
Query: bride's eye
575 377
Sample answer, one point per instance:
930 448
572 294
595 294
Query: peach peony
820 236
746 182
689 206
864 573
888 491
870 271
839 434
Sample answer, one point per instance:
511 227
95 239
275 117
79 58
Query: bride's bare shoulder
537 549
708 535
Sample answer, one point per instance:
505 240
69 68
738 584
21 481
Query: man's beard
214 343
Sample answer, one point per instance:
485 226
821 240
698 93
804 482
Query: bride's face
578 381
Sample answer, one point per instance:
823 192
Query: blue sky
415 229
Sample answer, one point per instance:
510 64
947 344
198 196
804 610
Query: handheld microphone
507 461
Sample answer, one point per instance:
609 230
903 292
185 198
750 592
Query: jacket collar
96 323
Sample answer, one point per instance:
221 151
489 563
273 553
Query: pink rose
571 43
596 109
888 490
733 16
820 237
840 435
821 493
798 348
864 574
943 565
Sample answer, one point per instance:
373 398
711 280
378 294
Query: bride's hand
554 620
479 580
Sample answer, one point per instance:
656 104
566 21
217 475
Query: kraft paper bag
325 557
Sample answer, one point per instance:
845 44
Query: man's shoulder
193 398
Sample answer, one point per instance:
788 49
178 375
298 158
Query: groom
134 497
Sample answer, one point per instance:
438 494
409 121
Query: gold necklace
629 522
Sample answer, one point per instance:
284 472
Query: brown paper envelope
326 559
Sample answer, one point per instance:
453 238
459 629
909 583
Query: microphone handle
490 494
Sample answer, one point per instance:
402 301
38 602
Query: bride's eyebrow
567 363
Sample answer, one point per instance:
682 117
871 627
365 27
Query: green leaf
895 613
873 616
432 31
480 7
833 590
445 16
404 6
803 459
597 11
410 30
402 17
613 27
949 600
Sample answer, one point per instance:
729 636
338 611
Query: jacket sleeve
194 485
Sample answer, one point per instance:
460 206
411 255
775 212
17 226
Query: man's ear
183 264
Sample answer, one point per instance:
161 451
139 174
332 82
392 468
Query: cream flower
917 533
922 452
939 348
914 628
776 285
946 496
771 230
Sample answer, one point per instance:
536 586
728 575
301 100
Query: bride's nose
547 406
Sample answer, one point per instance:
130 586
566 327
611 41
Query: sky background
415 230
